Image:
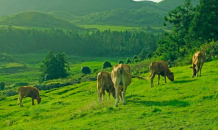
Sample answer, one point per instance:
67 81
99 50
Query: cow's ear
191 67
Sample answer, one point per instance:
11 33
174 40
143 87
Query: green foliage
2 85
120 62
192 27
106 64
85 70
142 55
101 42
54 67
211 50
128 61
204 27
4 57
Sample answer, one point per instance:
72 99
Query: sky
149 0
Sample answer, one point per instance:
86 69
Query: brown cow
197 63
121 78
160 68
28 91
104 82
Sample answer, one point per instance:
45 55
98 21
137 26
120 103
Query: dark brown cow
197 63
28 91
104 82
160 68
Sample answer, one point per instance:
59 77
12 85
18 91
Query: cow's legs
32 101
152 77
158 79
201 68
109 95
21 104
197 69
165 79
120 93
193 71
117 94
123 94
103 93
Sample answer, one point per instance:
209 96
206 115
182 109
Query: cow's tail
139 77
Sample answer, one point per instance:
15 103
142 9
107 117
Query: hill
186 103
36 19
171 4
123 17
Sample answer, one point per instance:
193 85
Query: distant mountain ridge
110 12
36 19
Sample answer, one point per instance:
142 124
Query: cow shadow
175 103
184 81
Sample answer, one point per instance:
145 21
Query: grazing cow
28 91
160 68
104 82
121 78
197 63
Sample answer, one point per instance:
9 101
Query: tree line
193 27
96 43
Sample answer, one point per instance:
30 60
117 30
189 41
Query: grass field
186 103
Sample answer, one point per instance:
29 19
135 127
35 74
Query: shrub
120 62
106 65
86 70
128 61
2 85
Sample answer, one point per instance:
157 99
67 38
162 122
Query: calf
104 82
197 63
28 91
160 68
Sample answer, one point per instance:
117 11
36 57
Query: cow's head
39 100
170 76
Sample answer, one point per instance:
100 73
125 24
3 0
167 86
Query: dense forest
193 29
97 43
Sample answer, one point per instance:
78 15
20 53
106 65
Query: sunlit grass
186 103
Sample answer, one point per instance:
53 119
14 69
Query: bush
86 70
120 62
106 65
128 61
2 85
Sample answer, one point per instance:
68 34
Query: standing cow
28 91
197 63
104 82
121 78
160 68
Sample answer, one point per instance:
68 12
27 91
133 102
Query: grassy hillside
36 19
185 103
123 17
75 7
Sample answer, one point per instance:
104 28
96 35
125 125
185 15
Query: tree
53 67
204 27
180 18
63 64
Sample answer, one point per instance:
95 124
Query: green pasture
25 68
112 28
186 103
